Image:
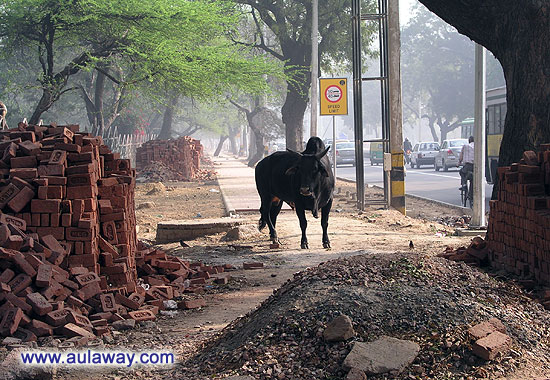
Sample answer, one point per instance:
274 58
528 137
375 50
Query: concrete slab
176 230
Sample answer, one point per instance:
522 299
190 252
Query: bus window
497 120
491 120
502 117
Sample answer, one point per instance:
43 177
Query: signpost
334 101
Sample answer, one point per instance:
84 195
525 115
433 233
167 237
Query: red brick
26 173
51 171
29 148
22 198
142 315
40 328
56 232
19 282
125 301
71 330
192 304
81 192
58 157
40 305
55 180
10 321
108 302
7 275
58 317
44 276
88 291
79 320
23 264
14 221
79 234
24 334
86 179
7 193
19 302
493 344
86 278
23 162
45 206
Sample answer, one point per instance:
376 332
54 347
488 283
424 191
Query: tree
517 32
438 71
175 42
290 22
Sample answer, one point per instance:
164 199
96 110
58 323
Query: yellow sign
333 94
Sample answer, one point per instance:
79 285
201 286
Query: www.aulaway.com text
96 358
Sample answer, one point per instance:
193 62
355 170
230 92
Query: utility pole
397 174
478 217
314 67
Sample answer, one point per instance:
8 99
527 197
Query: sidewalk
237 185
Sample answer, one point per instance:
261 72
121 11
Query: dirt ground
429 227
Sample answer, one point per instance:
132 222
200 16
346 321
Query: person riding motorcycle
467 159
407 148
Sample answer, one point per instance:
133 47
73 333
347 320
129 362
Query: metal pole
314 68
358 104
334 144
478 219
397 174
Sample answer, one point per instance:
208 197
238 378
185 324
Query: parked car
447 157
345 153
424 154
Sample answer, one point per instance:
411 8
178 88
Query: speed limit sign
333 100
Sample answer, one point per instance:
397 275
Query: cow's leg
274 212
303 225
266 210
324 223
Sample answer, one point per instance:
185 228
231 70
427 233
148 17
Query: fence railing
126 145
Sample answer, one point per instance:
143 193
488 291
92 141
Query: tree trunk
293 116
431 123
220 145
43 105
166 130
232 135
98 100
259 150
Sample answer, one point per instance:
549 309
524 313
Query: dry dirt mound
428 300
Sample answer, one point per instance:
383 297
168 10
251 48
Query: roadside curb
450 205
229 209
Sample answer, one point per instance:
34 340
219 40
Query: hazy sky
405 7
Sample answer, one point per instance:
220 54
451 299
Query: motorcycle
408 156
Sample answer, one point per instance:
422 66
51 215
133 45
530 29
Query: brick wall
519 221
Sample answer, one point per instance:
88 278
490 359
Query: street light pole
478 217
314 67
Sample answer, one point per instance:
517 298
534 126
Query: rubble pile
476 253
519 220
69 255
309 327
176 159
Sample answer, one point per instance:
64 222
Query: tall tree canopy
517 32
438 72
174 44
290 22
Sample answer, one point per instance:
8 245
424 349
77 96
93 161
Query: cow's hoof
304 246
315 214
326 245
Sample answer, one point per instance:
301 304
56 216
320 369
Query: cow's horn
322 154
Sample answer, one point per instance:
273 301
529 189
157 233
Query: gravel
430 301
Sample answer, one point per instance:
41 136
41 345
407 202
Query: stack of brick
69 255
182 155
519 221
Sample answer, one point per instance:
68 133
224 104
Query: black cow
303 180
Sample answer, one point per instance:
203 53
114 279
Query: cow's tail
261 224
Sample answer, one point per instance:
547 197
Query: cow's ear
323 170
291 171
322 154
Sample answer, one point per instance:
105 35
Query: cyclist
467 159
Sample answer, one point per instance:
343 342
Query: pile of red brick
182 156
519 221
476 253
69 255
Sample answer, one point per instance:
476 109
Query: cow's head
309 170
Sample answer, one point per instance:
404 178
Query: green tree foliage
290 22
173 44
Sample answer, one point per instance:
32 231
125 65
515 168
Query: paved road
425 182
